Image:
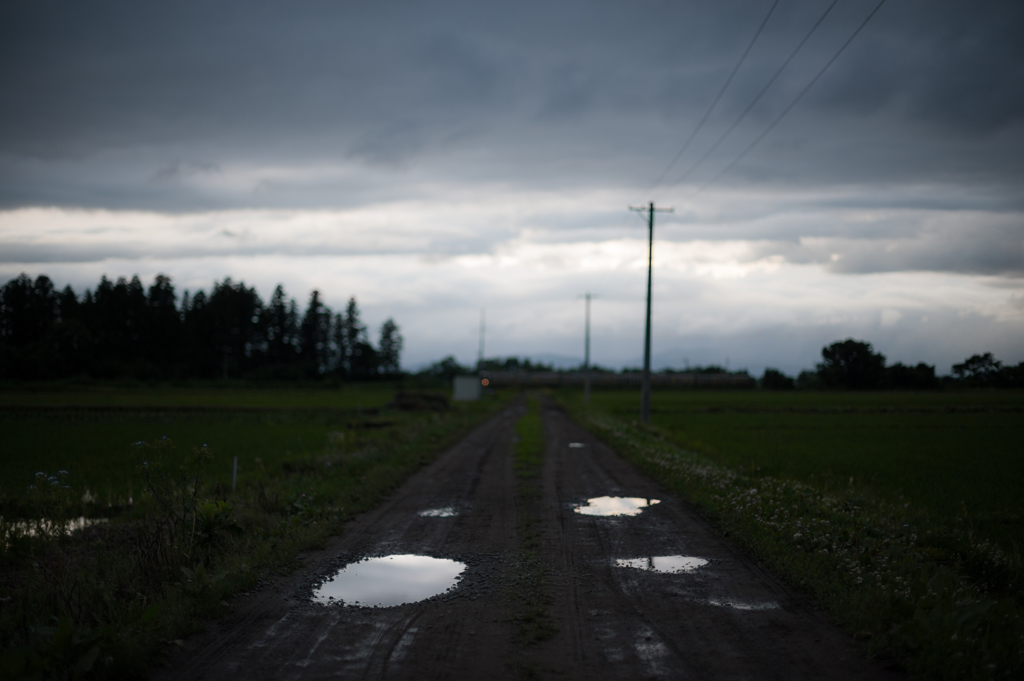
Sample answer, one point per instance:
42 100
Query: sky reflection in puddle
389 581
669 564
616 506
446 512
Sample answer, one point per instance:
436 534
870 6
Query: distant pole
586 358
645 397
480 356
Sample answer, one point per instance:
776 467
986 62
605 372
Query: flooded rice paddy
389 581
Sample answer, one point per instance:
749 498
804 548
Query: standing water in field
669 564
390 581
616 506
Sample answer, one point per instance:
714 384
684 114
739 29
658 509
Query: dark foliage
851 364
774 379
124 330
445 369
987 371
902 377
513 364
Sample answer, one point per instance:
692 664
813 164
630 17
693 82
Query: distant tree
353 335
315 333
851 364
773 379
513 364
390 348
979 369
162 329
903 377
808 380
281 330
445 369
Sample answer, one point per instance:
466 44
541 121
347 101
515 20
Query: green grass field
945 453
90 432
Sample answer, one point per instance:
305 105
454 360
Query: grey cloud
127 105
985 249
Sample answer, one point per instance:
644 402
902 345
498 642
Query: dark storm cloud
196 106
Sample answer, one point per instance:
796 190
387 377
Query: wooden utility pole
586 357
645 399
480 353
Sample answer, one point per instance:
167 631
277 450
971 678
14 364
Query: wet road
716 616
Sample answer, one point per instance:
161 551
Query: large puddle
669 564
389 581
616 506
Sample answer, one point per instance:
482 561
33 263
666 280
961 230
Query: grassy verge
531 617
940 600
953 455
101 602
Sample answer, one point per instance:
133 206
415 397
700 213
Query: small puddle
616 506
390 581
739 605
446 512
576 445
669 564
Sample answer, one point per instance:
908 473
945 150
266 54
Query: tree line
122 329
854 365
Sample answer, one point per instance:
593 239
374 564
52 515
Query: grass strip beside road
100 603
531 617
937 599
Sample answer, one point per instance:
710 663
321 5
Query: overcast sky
433 159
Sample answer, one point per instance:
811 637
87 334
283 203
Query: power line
756 99
721 92
794 102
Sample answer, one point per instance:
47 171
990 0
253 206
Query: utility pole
645 398
480 356
586 356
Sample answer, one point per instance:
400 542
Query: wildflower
797 535
62 472
40 474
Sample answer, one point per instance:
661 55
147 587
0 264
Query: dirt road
723 619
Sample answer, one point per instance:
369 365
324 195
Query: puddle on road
739 605
616 506
390 581
668 564
446 512
576 445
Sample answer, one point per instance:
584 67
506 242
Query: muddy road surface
650 593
